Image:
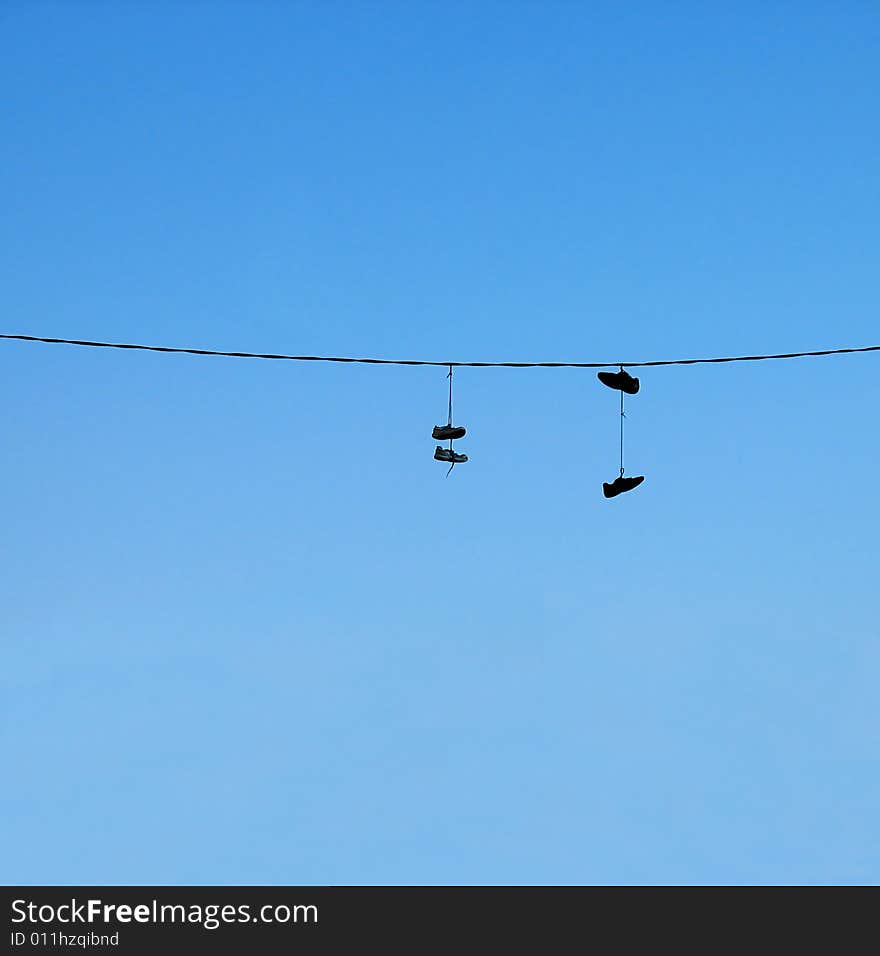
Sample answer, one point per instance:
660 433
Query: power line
445 364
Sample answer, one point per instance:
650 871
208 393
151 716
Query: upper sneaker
445 432
622 381
621 484
447 454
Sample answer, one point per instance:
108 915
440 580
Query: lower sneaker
620 485
445 432
447 454
622 381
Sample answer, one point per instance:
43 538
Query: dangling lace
622 417
449 422
449 376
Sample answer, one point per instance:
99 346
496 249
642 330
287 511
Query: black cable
377 361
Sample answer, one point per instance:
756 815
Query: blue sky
249 632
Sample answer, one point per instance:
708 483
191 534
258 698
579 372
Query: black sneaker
622 381
620 485
445 432
447 454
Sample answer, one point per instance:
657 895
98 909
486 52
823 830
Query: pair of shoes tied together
626 384
449 432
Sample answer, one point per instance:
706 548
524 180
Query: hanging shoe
445 432
447 454
622 381
620 485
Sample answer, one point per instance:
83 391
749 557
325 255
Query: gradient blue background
249 633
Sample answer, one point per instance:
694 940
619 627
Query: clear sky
249 632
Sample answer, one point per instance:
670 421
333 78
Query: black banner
155 919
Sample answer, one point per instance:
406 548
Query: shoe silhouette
622 381
620 485
447 454
444 432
